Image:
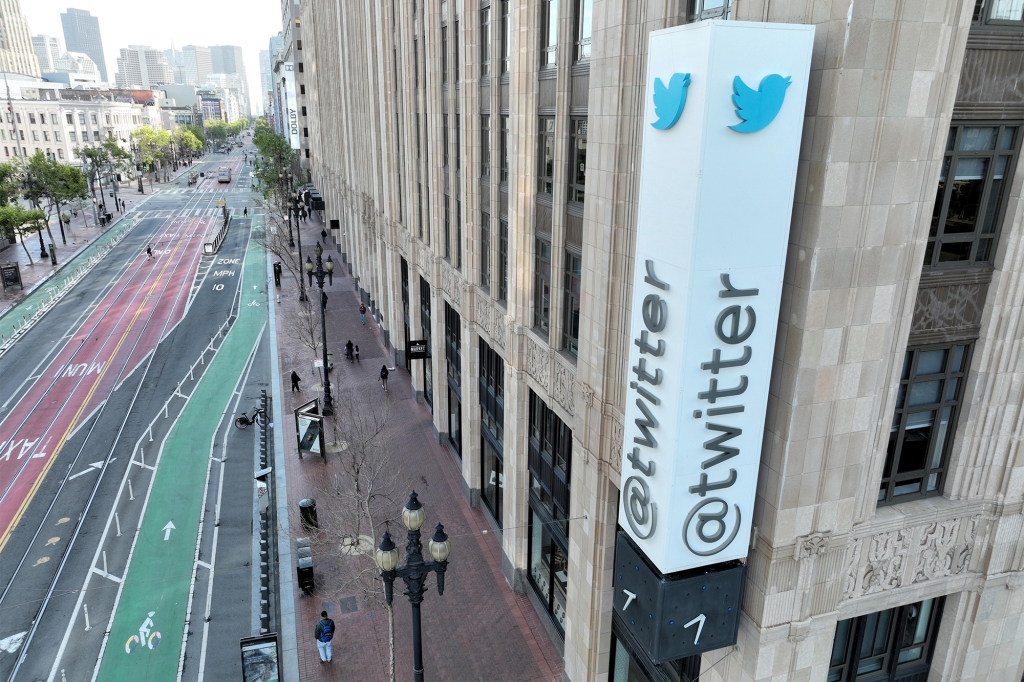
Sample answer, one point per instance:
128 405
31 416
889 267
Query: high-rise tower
16 53
227 59
82 34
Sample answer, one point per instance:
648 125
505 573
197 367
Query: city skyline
119 28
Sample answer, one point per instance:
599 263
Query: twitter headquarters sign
725 108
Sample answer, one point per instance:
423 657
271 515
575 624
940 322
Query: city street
116 404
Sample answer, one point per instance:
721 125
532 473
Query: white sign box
724 115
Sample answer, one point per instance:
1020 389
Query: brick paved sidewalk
82 232
479 629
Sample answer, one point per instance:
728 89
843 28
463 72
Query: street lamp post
138 165
291 240
415 569
323 270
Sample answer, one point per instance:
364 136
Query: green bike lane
145 636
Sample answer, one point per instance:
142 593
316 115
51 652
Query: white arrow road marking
629 599
167 530
13 643
95 466
699 620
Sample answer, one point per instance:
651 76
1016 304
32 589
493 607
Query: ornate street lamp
415 569
323 270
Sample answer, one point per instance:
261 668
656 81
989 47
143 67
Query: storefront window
428 373
493 482
455 420
549 566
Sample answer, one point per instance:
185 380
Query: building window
71 135
1008 13
458 234
506 36
56 136
31 117
455 53
70 119
458 144
968 210
546 156
53 119
302 89
96 135
447 228
93 118
571 323
584 19
35 136
548 33
419 210
444 141
304 110
485 42
550 460
428 370
46 136
927 406
298 44
453 363
502 260
60 153
301 69
492 392
504 149
485 146
108 118
886 646
578 170
542 285
444 55
81 118
485 250
305 132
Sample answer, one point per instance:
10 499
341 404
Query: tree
216 131
10 183
187 139
65 185
16 221
359 499
198 133
152 146
39 173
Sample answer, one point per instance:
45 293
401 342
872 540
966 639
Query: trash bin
307 511
108 217
53 255
305 574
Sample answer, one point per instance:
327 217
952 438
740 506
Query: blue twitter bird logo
758 107
669 101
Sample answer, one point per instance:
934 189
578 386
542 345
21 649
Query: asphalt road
90 396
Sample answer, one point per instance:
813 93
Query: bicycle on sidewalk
259 416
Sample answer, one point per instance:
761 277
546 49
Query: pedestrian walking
348 349
323 300
295 381
149 252
323 235
362 313
122 206
384 377
357 353
245 211
324 633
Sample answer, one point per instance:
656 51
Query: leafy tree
186 139
216 131
153 146
39 172
16 221
10 183
198 132
65 185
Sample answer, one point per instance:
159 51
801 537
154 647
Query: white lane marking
13 643
95 466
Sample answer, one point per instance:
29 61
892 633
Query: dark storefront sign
676 616
11 275
419 350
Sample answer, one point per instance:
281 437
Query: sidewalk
479 629
82 232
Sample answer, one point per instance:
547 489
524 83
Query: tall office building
266 80
176 63
227 59
483 214
196 63
17 54
82 34
47 51
140 66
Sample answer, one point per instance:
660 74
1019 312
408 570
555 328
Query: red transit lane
145 303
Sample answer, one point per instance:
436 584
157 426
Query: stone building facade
479 161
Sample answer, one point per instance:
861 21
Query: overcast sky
248 23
